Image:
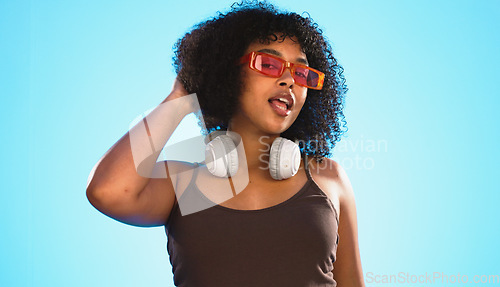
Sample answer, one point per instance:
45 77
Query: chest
304 230
244 193
261 195
288 242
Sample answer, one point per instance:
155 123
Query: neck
257 147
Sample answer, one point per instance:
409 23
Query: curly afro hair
205 60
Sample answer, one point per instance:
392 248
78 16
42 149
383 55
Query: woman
260 76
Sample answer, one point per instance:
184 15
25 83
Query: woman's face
270 105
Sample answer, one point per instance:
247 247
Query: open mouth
281 103
283 100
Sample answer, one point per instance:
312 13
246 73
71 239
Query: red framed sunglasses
273 66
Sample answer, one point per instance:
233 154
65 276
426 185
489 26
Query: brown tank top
293 243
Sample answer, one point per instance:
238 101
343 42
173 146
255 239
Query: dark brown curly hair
205 63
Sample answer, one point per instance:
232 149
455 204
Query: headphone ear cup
284 158
221 156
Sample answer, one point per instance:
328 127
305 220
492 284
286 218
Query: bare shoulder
176 167
179 172
333 180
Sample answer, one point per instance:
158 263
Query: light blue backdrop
421 151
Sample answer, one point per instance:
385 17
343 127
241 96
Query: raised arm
127 183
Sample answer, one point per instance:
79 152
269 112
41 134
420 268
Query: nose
286 79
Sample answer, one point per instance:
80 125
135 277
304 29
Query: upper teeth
284 100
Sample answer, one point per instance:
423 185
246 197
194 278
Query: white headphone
221 156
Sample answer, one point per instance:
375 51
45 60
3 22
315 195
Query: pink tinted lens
268 65
306 77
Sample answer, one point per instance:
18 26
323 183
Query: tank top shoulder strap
306 166
195 174
190 186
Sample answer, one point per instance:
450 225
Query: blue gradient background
423 79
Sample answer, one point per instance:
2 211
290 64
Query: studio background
421 150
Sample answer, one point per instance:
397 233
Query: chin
276 129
